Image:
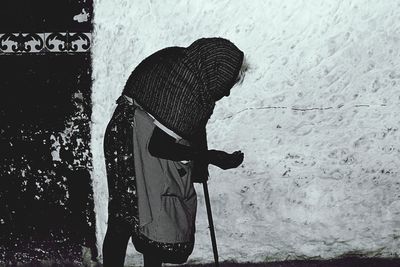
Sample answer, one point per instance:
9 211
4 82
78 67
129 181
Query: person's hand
225 160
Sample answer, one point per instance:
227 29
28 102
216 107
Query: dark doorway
46 197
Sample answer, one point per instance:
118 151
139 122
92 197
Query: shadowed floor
346 262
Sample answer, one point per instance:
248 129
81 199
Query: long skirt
122 205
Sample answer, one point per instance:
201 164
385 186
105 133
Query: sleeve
200 168
162 145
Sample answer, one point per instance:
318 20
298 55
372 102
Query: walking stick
210 223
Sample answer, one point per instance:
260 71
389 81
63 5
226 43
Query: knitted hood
179 86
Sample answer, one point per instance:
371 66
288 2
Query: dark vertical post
211 224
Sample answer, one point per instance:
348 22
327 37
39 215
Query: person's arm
162 145
200 172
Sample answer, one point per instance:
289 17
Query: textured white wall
317 117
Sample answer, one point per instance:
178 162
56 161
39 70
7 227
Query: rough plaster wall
317 117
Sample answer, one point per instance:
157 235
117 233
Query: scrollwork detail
20 41
66 42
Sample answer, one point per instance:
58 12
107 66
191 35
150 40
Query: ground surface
350 262
347 262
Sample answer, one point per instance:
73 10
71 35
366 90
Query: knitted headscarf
179 86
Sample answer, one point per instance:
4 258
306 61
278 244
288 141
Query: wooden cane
210 223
